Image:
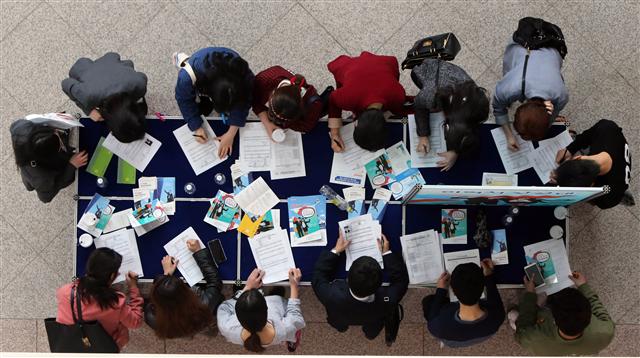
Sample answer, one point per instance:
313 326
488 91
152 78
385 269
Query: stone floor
40 40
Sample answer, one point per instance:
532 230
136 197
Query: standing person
284 100
471 320
575 323
214 78
110 90
608 163
360 299
446 90
367 85
257 321
46 161
100 301
176 310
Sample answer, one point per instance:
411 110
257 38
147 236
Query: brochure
99 160
499 253
454 226
379 169
379 202
96 215
126 172
407 183
165 192
223 211
354 196
307 219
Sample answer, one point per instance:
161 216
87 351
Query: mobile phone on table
217 252
534 274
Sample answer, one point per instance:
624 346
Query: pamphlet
99 160
223 211
378 206
454 226
165 192
408 183
96 215
126 173
354 196
499 253
307 219
379 169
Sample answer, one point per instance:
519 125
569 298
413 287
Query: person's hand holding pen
169 265
201 135
336 140
563 155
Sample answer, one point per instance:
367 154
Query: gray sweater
543 79
91 82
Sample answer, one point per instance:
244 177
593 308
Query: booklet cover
407 183
307 218
147 210
379 169
99 160
223 211
270 221
96 215
126 173
399 157
249 224
454 226
379 203
165 192
354 196
499 253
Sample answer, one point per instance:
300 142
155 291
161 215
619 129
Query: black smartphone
534 274
217 252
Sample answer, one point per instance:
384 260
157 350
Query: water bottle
190 188
102 182
334 198
219 178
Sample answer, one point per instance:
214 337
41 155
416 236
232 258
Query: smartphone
534 274
217 252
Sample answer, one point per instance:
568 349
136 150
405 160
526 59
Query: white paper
255 148
257 198
437 142
544 157
201 156
272 253
318 238
499 179
137 153
422 254
118 221
287 157
187 265
353 194
148 183
453 259
556 249
513 162
124 243
399 157
363 233
140 194
56 120
347 168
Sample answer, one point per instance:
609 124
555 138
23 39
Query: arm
335 111
228 323
528 315
48 189
293 320
439 300
422 121
398 276
502 99
324 274
186 97
213 286
597 308
131 313
71 87
583 140
494 301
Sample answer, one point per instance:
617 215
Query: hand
423 145
295 275
336 142
553 177
79 159
169 265
132 279
549 106
201 135
193 245
254 280
562 155
270 127
443 280
449 159
342 243
529 285
512 143
226 144
578 278
487 267
95 115
383 244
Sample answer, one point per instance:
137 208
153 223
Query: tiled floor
40 40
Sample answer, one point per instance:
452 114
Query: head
364 277
101 270
251 310
42 147
464 102
571 311
467 283
285 103
125 117
224 81
461 137
178 311
370 132
577 173
532 120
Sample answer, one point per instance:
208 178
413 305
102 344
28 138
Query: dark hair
102 267
224 81
364 276
467 283
125 117
461 137
42 146
463 102
577 173
571 311
532 120
178 311
285 103
251 310
369 133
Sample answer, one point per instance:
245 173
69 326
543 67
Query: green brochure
126 172
99 160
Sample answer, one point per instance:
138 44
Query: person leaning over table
214 78
446 90
175 309
110 90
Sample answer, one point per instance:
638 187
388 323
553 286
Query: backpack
444 46
534 33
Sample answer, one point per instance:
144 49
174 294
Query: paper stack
363 233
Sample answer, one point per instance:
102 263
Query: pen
335 140
199 136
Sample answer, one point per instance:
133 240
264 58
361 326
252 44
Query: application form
437 142
347 168
124 243
187 265
201 156
422 254
272 253
513 162
137 153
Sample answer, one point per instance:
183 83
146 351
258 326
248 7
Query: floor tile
501 344
14 12
204 344
625 342
632 316
629 68
143 340
10 110
312 309
15 253
59 252
42 342
412 305
17 335
580 215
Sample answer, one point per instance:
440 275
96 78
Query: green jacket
537 331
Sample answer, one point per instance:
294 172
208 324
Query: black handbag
444 46
394 313
80 337
534 33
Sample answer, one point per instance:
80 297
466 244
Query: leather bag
443 46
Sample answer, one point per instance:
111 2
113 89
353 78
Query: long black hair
102 267
224 80
125 117
251 310
41 148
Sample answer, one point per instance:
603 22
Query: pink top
116 321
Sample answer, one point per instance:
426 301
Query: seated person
110 90
575 322
471 320
100 301
214 78
359 300
176 310
257 321
44 157
447 90
284 100
367 85
545 93
608 163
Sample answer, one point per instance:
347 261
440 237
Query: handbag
394 313
79 337
443 46
534 33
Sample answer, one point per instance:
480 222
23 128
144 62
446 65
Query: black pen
199 136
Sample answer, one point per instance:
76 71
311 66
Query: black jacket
342 309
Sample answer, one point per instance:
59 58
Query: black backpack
534 33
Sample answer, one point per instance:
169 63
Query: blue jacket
186 93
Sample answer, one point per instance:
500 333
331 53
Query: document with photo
422 254
272 253
362 233
137 153
287 157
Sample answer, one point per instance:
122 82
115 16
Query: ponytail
102 267
251 310
253 344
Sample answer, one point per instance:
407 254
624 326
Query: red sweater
116 321
268 80
364 80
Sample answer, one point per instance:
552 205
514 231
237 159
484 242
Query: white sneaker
177 58
512 316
